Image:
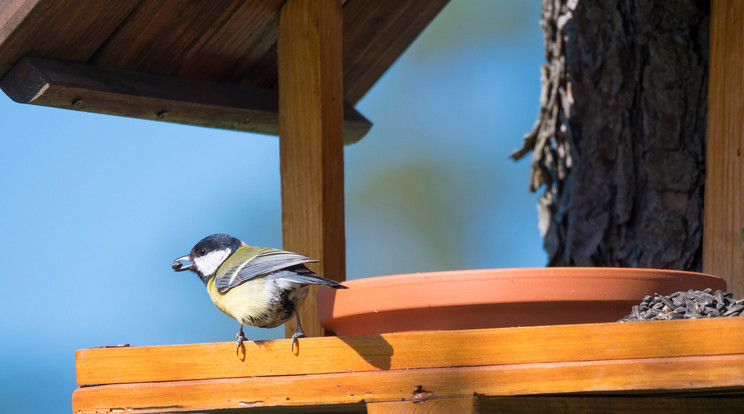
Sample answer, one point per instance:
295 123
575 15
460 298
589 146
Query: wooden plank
69 30
146 96
539 344
628 375
202 40
215 40
376 33
311 142
723 241
462 405
230 40
611 404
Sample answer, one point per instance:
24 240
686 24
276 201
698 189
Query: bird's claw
239 338
298 334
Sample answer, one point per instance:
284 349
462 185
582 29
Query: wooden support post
311 140
723 246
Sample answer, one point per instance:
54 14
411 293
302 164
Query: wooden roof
189 45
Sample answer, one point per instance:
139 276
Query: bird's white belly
253 303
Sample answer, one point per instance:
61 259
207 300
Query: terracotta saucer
494 298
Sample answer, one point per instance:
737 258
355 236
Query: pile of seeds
686 305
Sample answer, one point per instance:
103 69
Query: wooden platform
558 368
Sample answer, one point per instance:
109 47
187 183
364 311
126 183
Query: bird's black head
215 242
208 255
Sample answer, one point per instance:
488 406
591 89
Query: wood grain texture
214 40
232 41
376 33
69 30
723 251
311 141
634 375
463 405
155 97
414 350
592 404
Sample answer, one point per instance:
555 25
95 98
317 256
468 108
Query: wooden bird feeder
297 68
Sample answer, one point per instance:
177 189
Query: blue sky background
95 208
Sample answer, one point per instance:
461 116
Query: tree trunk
619 144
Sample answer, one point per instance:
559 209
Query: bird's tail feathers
308 279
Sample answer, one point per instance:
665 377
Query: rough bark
619 145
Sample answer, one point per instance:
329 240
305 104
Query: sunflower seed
688 305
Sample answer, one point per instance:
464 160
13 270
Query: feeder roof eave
189 46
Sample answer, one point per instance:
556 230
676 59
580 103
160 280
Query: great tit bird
257 286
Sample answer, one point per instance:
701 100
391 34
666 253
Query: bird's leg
239 337
299 332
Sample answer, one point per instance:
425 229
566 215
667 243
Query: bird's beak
178 265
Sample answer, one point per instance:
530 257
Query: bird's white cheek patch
209 263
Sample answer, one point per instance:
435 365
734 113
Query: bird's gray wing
305 276
260 265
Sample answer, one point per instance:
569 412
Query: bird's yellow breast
249 302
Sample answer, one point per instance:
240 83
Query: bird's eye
202 252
